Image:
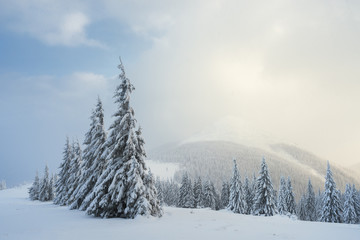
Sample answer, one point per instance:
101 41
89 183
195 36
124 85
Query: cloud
55 23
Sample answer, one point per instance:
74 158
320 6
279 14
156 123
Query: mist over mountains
205 156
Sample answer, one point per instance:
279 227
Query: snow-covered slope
21 218
213 160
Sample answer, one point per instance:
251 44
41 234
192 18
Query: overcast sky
286 68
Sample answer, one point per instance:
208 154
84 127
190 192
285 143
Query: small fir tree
225 194
34 189
310 203
349 214
282 206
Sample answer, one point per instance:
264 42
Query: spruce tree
264 195
301 212
93 163
75 172
357 203
310 203
281 204
198 193
349 214
160 191
61 186
237 202
186 193
209 196
124 189
225 194
290 198
34 189
249 196
331 204
44 190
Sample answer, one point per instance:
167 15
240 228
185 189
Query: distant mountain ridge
213 160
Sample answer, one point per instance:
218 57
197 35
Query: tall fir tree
61 186
331 205
310 203
349 214
34 189
290 198
237 202
281 203
264 195
357 202
124 188
94 162
225 194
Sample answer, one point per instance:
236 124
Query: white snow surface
21 218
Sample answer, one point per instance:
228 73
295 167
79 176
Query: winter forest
107 177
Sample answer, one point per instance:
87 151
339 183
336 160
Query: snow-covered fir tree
331 204
198 193
75 172
209 199
237 202
171 193
61 186
159 189
93 161
249 195
264 203
186 193
45 188
51 187
290 198
349 213
34 189
301 210
225 194
310 203
124 189
281 203
357 202
151 205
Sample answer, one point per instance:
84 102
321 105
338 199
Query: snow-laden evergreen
2 184
45 188
248 191
331 204
281 203
310 203
61 186
93 163
186 193
170 193
75 171
264 203
290 198
237 202
301 210
34 189
225 194
209 198
357 203
198 193
349 214
124 188
159 189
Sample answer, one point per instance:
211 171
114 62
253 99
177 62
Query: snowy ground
21 218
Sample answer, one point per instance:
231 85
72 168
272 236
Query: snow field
21 218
